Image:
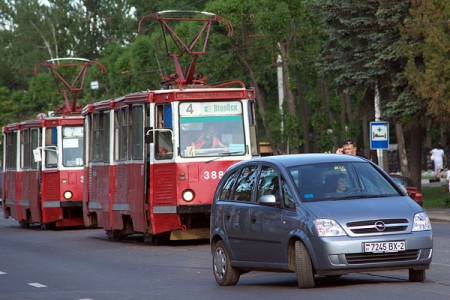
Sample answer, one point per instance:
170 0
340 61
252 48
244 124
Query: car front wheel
303 267
224 273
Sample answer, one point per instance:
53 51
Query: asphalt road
82 264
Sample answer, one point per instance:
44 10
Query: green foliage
329 46
427 44
435 197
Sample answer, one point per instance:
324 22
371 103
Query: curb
439 215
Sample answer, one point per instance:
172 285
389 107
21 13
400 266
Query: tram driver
209 139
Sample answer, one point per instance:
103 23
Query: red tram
43 160
154 158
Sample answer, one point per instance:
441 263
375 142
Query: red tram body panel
43 171
146 174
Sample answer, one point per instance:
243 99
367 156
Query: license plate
381 247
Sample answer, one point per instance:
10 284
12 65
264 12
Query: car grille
366 258
378 226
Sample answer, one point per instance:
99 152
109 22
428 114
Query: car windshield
341 181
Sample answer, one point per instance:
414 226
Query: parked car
412 191
290 213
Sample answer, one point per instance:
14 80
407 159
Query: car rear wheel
224 273
303 267
416 275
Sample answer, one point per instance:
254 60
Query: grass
436 197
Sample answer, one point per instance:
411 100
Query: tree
427 44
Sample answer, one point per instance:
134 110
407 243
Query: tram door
98 174
162 180
30 201
136 168
11 177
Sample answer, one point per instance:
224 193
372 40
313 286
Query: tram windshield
72 142
211 129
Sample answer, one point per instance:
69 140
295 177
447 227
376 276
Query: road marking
440 264
37 284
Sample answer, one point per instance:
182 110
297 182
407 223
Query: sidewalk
438 214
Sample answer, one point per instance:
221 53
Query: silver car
315 215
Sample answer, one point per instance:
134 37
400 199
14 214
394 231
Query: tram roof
172 95
45 122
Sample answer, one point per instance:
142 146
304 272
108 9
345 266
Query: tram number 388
207 175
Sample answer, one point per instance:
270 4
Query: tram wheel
115 235
24 224
156 239
48 226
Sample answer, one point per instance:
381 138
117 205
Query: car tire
417 275
224 273
303 267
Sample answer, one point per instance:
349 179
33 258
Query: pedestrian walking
437 156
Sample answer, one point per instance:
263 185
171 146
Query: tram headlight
188 195
68 195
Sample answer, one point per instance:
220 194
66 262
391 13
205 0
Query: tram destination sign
222 108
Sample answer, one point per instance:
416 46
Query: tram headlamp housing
68 195
188 195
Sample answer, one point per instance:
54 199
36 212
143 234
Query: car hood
364 209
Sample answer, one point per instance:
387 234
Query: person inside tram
209 139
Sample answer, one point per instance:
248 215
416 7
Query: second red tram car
43 171
43 158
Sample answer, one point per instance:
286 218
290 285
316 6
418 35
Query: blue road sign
379 135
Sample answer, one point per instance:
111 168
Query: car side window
288 199
269 183
225 192
246 181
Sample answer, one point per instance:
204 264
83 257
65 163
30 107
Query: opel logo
379 225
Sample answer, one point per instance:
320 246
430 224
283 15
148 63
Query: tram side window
99 137
105 125
121 134
252 123
137 134
29 141
51 147
25 160
163 132
11 150
95 138
35 144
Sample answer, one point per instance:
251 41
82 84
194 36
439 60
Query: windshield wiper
360 197
224 154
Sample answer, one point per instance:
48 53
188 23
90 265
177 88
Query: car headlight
188 195
68 195
421 222
328 227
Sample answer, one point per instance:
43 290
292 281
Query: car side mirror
268 200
